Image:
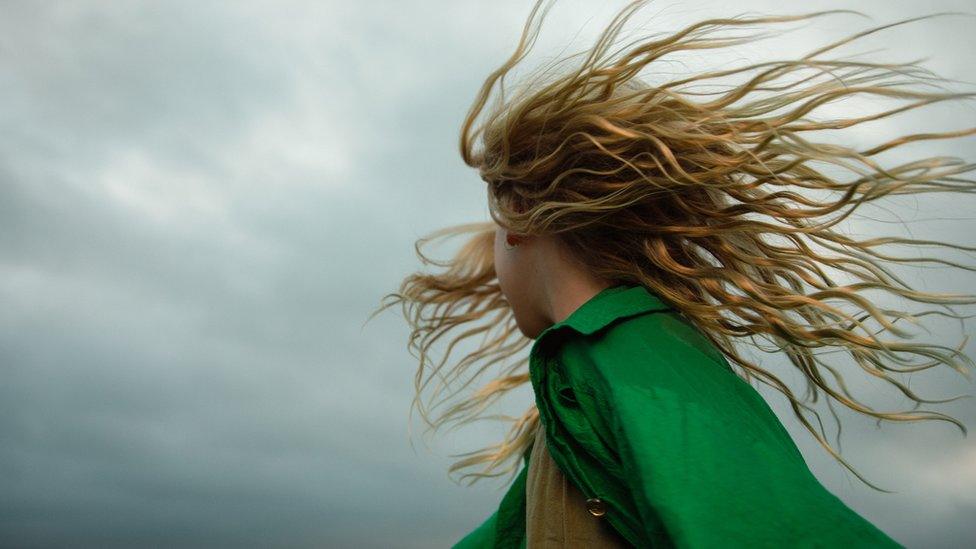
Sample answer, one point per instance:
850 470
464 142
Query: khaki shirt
556 513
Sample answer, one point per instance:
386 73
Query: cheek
503 265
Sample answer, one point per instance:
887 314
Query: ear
519 204
512 239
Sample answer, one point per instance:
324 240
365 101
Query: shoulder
659 365
655 347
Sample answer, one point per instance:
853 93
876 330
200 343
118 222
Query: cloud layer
201 204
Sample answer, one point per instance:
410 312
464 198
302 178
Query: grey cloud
200 205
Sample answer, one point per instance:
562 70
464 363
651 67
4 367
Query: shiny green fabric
643 412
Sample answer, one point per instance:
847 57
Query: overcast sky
201 203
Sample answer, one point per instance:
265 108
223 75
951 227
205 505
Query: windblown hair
716 205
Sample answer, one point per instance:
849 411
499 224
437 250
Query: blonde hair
708 203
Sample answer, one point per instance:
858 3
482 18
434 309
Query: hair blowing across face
721 204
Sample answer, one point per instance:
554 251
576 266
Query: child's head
723 206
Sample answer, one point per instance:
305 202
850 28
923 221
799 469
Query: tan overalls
556 512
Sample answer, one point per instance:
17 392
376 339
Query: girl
639 231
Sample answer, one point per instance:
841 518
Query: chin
519 323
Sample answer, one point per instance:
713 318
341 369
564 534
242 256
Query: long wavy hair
715 204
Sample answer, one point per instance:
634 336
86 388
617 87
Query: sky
201 204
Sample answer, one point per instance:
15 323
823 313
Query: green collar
608 305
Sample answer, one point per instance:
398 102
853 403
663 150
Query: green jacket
644 414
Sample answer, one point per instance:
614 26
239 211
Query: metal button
596 507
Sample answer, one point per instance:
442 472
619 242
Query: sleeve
505 528
482 537
704 455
